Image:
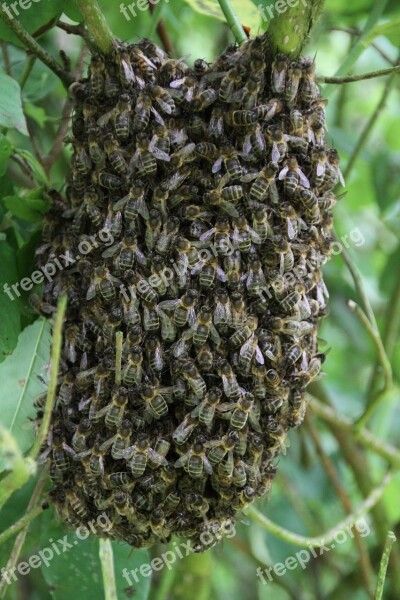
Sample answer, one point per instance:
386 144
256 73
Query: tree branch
32 45
233 21
96 25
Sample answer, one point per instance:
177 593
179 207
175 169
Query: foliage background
306 497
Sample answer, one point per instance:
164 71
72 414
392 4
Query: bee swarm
204 195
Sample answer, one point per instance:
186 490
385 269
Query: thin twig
365 562
79 30
25 520
20 540
370 125
51 392
6 58
362 435
107 569
330 535
161 29
119 336
376 338
233 21
361 77
32 45
27 71
390 540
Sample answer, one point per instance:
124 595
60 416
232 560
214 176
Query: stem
359 46
159 25
370 125
16 527
32 45
165 585
376 338
119 336
27 71
51 392
96 24
361 77
390 540
107 568
365 562
328 536
290 31
364 437
233 21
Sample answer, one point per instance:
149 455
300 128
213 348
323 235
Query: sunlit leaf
11 114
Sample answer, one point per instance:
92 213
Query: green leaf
391 29
20 384
37 113
77 572
6 149
243 8
23 208
72 11
10 323
34 164
35 14
11 113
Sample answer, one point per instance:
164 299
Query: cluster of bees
215 184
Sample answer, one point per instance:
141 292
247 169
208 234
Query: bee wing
249 177
142 209
107 444
229 209
276 155
157 458
205 237
225 406
207 465
140 257
178 136
91 293
291 230
103 120
255 238
254 422
157 116
183 460
221 275
112 250
190 94
121 203
283 173
249 279
217 165
259 356
247 345
216 338
177 82
219 314
128 71
192 317
188 333
320 169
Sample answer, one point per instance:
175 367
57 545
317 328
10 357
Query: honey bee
195 461
279 144
229 82
183 308
163 99
115 155
120 441
114 411
261 223
204 357
82 160
186 86
133 370
184 430
122 59
241 118
155 403
143 62
255 280
289 326
279 74
231 162
154 353
191 375
220 448
223 197
203 328
201 66
312 205
220 233
129 253
141 453
210 272
153 228
292 177
233 269
229 382
80 437
182 156
143 160
316 114
205 411
102 284
96 152
309 88
204 99
293 77
133 203
333 174
264 183
266 112
216 125
107 180
41 307
222 311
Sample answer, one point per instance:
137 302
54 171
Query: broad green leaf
34 164
25 209
11 114
77 571
243 8
20 382
37 113
10 306
6 149
35 14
